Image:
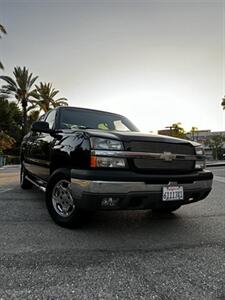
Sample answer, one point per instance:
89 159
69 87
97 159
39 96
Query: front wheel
61 204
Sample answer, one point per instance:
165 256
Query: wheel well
58 174
59 163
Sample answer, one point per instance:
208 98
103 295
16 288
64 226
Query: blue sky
157 62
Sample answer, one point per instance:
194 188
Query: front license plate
171 193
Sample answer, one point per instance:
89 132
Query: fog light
109 201
200 164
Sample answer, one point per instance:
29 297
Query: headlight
105 144
200 162
107 162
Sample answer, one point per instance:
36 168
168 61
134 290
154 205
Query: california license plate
171 193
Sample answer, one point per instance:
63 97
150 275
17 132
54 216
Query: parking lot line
2 190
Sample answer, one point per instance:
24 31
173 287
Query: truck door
40 151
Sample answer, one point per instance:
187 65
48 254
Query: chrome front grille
159 165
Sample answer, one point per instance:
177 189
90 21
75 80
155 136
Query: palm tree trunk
24 106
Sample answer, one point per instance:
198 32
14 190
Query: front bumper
139 194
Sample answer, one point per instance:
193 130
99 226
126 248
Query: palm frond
46 94
32 81
33 94
223 102
2 29
32 107
60 102
9 80
62 99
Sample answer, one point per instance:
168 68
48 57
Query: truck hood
137 136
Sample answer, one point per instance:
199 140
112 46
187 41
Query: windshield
78 118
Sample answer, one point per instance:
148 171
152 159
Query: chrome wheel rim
62 198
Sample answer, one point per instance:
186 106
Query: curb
9 166
215 165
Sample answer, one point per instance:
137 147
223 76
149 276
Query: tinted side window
51 119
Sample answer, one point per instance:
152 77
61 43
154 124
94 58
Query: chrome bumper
80 186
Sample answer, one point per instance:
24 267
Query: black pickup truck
87 160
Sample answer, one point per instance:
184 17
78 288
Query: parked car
86 160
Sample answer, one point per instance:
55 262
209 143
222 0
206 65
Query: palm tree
193 131
21 89
2 31
45 94
223 102
32 117
177 130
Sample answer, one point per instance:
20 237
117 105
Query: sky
156 62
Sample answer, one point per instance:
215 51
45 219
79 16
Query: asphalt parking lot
117 255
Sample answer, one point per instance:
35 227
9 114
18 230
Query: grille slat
161 165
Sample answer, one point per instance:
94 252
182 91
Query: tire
24 183
166 209
61 204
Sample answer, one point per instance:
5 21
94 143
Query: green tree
2 31
216 144
223 102
177 131
193 132
21 88
6 141
45 97
11 121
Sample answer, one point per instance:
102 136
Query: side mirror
40 126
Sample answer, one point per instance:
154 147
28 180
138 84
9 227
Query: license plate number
171 193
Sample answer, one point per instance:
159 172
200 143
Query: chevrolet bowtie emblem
168 156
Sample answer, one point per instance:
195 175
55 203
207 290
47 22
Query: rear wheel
166 209
61 204
24 183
